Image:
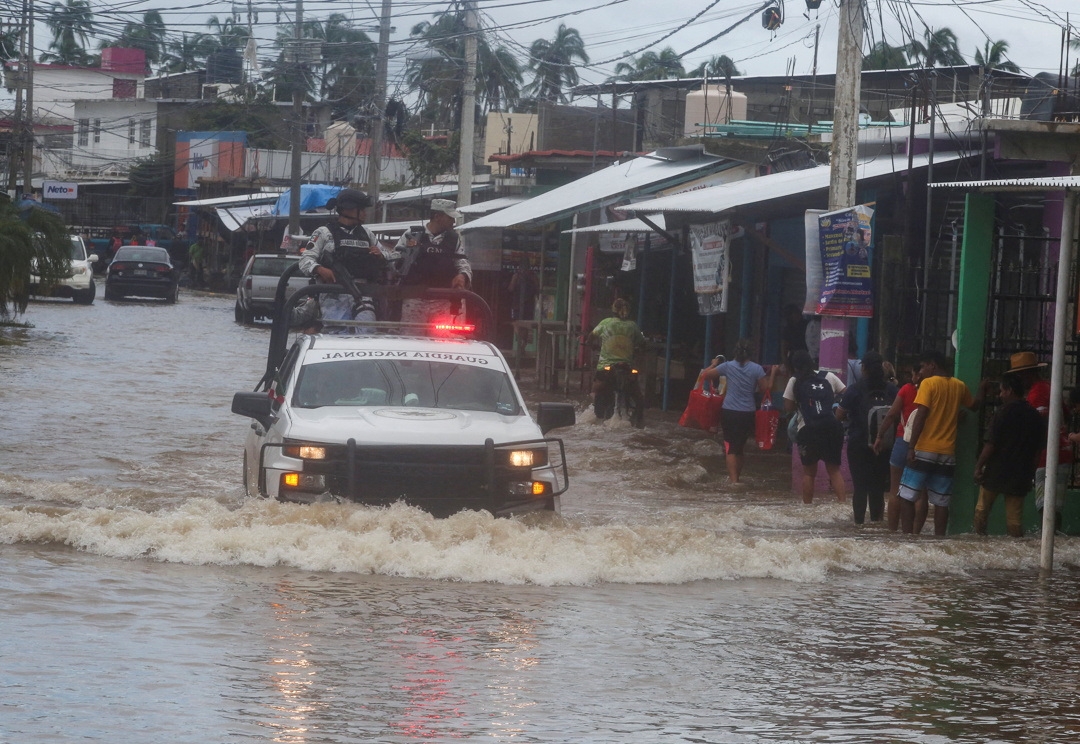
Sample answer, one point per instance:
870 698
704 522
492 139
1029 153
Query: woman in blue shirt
744 379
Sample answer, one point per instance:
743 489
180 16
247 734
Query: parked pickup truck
258 284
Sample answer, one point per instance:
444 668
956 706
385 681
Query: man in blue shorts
931 458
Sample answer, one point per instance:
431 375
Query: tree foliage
31 239
651 66
149 35
717 67
552 63
438 75
937 48
884 56
71 25
992 56
428 158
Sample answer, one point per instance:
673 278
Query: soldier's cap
446 206
349 199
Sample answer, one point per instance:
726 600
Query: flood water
144 599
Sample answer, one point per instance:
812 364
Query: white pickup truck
435 420
258 283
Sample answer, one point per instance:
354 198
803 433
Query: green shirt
618 340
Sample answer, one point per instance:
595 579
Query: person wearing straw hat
432 257
1026 366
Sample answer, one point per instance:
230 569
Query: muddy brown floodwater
146 600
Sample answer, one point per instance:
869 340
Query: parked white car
436 422
79 284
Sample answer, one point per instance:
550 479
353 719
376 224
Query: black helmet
350 199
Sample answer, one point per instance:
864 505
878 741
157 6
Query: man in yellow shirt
931 460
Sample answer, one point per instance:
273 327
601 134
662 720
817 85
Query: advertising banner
843 240
710 251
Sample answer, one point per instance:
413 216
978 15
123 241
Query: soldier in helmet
345 243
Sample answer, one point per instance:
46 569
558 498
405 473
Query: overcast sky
611 28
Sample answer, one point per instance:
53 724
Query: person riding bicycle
619 339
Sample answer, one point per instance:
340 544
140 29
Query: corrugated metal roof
622 226
635 176
234 218
433 191
492 205
1015 184
716 199
266 197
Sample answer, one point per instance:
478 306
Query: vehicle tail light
247 283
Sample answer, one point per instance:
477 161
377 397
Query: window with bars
131 131
97 131
144 132
84 132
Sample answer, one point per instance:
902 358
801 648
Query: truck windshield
403 382
78 253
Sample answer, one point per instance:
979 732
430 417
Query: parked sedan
142 271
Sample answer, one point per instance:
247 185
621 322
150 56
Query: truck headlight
528 458
305 451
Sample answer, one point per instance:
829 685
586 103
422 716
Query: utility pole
28 155
468 108
843 160
14 150
299 128
845 144
381 63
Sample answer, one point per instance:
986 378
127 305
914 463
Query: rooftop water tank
712 105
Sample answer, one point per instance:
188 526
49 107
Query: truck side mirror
554 416
254 405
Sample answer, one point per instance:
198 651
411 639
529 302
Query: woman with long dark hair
863 405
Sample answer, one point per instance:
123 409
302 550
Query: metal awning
646 174
234 218
265 197
623 226
492 205
434 191
717 199
1052 183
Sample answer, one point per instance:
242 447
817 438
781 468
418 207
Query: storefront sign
59 190
710 250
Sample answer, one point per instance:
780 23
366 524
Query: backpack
878 407
815 397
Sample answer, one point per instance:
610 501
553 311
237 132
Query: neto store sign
60 190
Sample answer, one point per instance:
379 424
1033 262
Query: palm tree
992 56
884 56
149 35
717 67
651 66
348 80
228 34
553 64
937 48
438 75
31 237
187 54
70 24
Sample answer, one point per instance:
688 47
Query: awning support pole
670 328
1057 378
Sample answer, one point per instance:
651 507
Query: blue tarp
312 196
25 205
